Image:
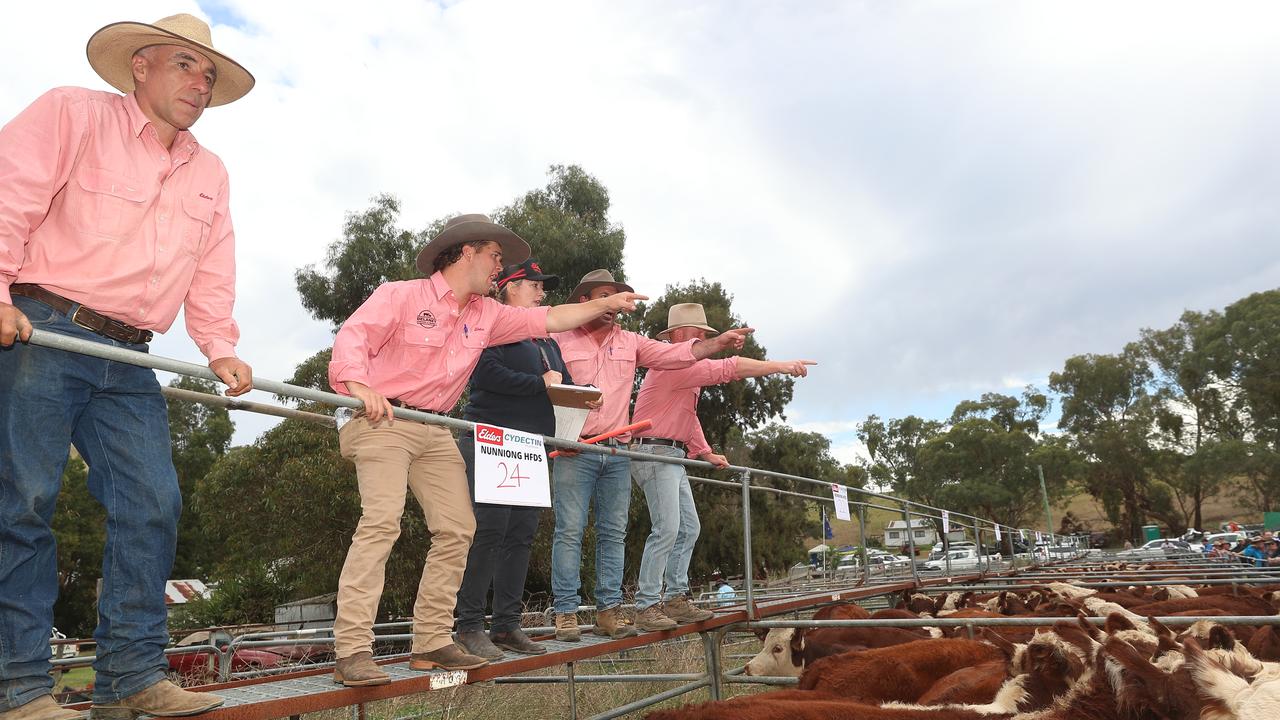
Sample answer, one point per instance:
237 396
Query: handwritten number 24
511 477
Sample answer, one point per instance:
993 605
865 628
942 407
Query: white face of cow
775 657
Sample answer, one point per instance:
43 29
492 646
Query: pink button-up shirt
611 366
410 342
93 207
670 399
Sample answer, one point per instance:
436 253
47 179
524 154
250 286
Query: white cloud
931 200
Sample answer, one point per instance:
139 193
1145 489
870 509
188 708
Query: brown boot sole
615 635
576 637
337 677
523 650
432 665
119 713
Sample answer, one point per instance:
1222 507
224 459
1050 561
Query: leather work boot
164 699
449 657
567 627
477 643
684 612
359 670
42 708
610 623
517 641
652 619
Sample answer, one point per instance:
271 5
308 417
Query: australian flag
826 526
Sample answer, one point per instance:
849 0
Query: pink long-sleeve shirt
670 399
410 342
93 207
611 366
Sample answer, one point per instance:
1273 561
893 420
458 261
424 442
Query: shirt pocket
109 204
622 364
197 224
418 339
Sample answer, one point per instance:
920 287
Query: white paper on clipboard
570 404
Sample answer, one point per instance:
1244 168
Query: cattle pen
757 607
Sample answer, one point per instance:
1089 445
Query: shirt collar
184 141
440 288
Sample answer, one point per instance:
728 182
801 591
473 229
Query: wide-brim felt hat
595 279
686 315
111 50
471 228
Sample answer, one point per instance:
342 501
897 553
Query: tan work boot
684 612
42 708
610 623
449 657
359 670
567 627
652 619
164 699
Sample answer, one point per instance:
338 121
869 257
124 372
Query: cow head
781 655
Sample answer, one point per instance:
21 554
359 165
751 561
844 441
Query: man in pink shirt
670 399
604 355
414 344
112 218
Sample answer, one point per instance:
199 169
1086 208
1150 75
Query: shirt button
163 217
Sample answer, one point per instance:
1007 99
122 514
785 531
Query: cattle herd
1127 666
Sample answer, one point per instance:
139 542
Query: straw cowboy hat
686 315
470 228
111 50
595 279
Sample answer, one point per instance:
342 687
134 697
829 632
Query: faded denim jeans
675 526
577 483
115 416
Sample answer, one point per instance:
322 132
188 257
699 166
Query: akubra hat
471 228
595 279
111 50
686 315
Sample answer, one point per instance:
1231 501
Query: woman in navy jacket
508 388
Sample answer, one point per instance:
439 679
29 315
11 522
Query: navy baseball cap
528 270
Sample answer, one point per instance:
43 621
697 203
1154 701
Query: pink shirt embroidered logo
426 319
488 434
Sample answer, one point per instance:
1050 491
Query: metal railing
751 594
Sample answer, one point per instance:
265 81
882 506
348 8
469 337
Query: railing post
983 564
573 691
747 560
911 543
862 540
711 650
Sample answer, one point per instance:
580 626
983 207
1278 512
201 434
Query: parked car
1231 537
200 663
962 559
1158 548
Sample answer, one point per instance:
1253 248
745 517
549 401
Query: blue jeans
577 482
115 416
674 519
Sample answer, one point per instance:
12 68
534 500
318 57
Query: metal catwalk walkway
314 690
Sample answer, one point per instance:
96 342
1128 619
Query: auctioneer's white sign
511 467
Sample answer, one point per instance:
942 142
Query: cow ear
1000 642
1221 637
1161 594
1094 632
797 642
1161 629
760 633
965 600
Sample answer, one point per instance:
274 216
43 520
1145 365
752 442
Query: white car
962 559
1158 548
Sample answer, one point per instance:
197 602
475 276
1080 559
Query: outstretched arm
728 340
571 315
750 368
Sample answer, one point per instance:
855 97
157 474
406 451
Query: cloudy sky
932 199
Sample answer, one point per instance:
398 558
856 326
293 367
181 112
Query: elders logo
489 434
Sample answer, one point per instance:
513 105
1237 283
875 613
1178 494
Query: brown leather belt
400 404
85 317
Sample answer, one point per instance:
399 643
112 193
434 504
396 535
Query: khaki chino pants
390 460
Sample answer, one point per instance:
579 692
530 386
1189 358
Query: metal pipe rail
66 343
1015 621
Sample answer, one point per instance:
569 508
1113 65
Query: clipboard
573 396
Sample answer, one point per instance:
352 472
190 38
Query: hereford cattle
844 611
1265 644
902 672
1241 605
1228 696
975 685
787 651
